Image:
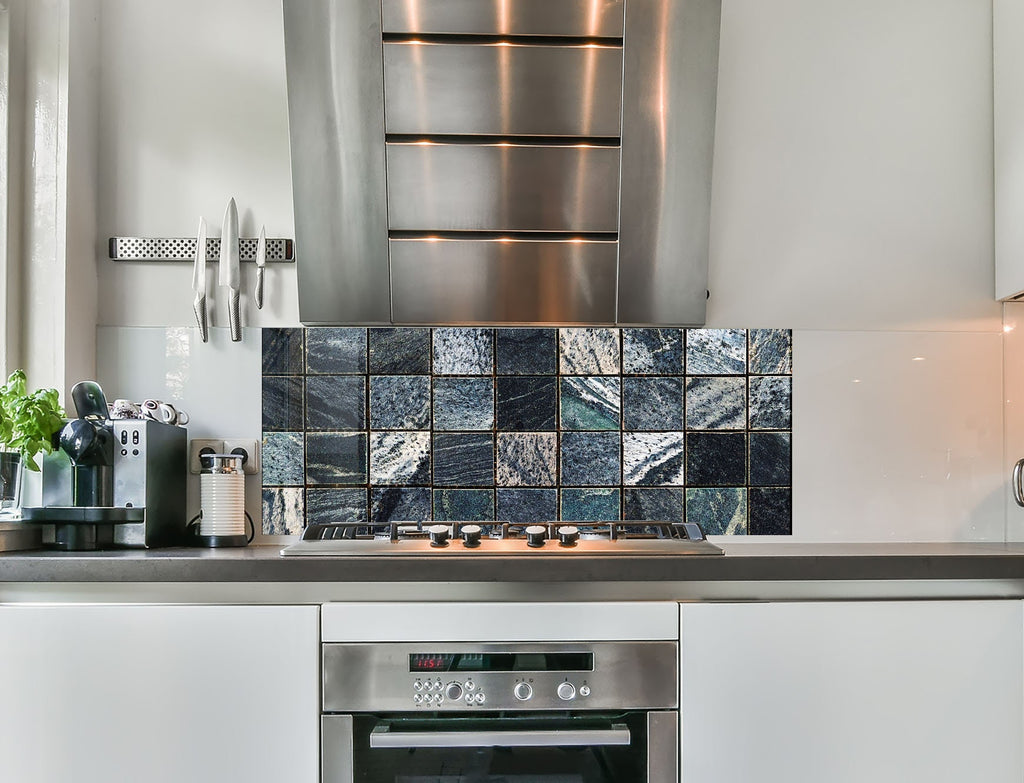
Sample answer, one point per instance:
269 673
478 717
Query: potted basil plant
28 423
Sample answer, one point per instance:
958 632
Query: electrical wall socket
197 445
250 447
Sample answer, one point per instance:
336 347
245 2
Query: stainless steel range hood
502 161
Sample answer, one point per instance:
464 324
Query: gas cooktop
467 539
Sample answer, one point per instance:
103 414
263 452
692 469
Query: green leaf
28 422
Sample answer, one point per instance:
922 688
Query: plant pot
11 469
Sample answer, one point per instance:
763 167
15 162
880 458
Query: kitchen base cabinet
858 692
161 694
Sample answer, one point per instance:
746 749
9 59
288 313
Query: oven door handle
383 737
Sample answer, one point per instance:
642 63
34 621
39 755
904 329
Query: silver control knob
535 535
471 535
566 691
417 686
438 535
584 690
522 691
479 698
417 699
568 535
470 685
453 692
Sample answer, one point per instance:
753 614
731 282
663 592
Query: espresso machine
112 483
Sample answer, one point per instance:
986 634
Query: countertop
748 571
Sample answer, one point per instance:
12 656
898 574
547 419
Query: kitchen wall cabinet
859 691
1008 136
164 694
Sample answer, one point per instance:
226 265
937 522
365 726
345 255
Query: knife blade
261 262
229 273
199 282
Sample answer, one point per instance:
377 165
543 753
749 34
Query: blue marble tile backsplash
527 424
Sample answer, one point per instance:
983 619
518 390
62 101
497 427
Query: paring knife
199 281
229 274
261 262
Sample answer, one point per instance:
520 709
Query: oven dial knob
522 691
479 698
417 686
584 690
535 535
568 535
453 692
438 535
566 691
470 685
471 535
417 699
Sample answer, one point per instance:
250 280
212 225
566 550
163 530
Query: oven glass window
482 759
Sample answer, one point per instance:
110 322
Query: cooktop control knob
535 535
522 691
438 535
568 535
471 535
453 692
566 691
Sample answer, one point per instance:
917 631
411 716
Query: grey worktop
743 562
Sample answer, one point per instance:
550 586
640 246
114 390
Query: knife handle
234 317
258 294
199 306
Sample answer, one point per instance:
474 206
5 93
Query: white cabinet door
161 694
882 692
1008 120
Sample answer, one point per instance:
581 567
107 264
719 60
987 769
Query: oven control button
584 690
453 691
535 535
568 535
522 691
417 699
438 698
469 698
479 698
471 535
438 535
417 686
566 691
470 685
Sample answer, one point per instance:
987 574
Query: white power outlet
199 445
249 448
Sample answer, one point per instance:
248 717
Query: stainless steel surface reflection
596 18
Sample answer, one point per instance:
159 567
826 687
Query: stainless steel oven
518 712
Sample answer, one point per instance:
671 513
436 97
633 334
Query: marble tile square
335 402
652 403
527 459
468 505
336 350
463 459
282 350
591 403
652 351
463 403
335 458
331 506
527 506
403 350
282 402
527 403
591 459
399 504
663 504
526 351
283 459
283 511
462 350
771 402
399 457
590 505
771 459
588 351
400 402
771 511
716 403
770 351
653 459
716 351
716 459
719 511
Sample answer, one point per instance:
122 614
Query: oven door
630 747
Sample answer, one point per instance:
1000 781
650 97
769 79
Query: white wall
852 202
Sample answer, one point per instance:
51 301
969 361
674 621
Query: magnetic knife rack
279 251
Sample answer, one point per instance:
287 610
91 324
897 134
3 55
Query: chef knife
229 274
261 262
199 281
